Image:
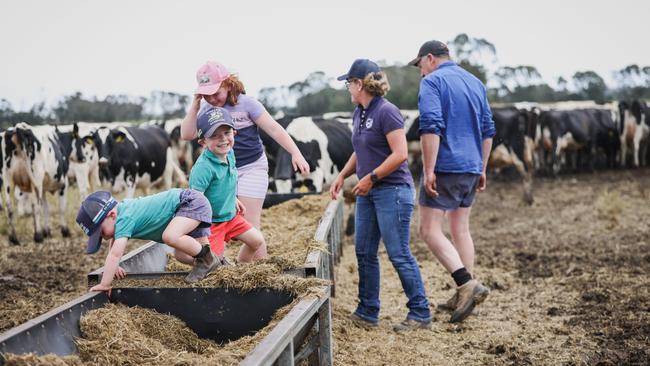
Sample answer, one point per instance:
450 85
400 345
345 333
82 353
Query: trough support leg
286 357
325 333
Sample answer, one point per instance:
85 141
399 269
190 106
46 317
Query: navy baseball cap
433 47
92 212
210 119
360 68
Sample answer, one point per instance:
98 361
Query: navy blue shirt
453 105
369 129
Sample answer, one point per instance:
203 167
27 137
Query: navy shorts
195 206
454 190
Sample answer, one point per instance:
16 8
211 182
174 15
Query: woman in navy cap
385 196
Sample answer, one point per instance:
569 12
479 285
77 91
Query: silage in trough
122 335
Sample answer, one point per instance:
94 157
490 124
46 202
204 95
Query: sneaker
202 266
449 305
363 322
469 295
411 324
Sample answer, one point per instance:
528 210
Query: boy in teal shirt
215 174
178 217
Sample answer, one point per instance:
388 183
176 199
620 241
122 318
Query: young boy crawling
180 218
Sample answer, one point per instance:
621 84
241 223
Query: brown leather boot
469 295
202 266
411 324
450 304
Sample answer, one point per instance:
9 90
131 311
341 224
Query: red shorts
221 232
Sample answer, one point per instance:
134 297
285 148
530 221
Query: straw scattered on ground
117 334
569 280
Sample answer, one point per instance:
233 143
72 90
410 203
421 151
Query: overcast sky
53 48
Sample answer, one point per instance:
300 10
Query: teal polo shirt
217 179
147 217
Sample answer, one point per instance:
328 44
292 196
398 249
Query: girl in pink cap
219 88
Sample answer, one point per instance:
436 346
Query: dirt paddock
569 280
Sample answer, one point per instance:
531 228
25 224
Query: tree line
320 93
76 107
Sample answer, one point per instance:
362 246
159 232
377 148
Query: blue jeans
385 213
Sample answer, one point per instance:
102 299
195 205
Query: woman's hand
336 186
363 187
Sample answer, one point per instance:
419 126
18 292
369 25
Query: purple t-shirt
248 145
370 127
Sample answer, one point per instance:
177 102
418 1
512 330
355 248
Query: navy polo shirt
370 127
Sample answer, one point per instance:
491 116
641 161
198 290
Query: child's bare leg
253 210
186 258
183 258
175 235
254 246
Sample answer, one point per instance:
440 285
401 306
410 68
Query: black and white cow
271 147
34 159
183 150
77 142
411 126
325 144
2 135
583 133
513 144
132 157
635 132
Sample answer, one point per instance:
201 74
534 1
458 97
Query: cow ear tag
89 140
119 139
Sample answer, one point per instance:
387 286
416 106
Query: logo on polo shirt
369 122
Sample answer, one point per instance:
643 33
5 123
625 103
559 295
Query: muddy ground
569 280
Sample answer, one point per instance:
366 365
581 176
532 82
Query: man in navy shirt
456 130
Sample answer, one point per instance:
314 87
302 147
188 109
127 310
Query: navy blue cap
92 212
210 119
433 47
360 68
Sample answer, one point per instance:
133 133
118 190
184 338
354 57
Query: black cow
414 147
185 152
604 133
271 147
582 132
325 144
132 157
512 144
2 134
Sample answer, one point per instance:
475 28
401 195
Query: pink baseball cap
210 77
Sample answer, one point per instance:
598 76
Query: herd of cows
532 138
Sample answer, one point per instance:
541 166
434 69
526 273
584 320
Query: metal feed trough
214 313
219 314
150 260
